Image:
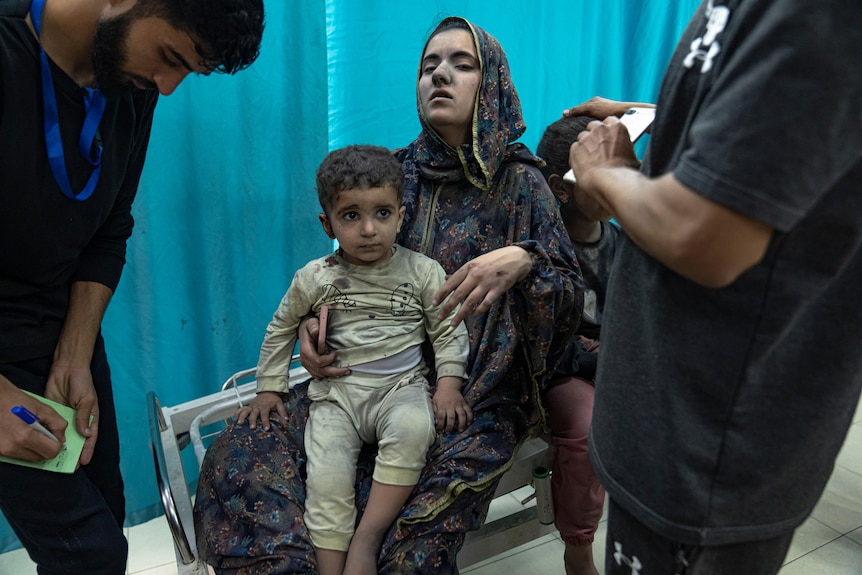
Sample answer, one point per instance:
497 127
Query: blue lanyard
94 104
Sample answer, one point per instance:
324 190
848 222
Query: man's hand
73 386
19 440
699 239
70 380
450 409
602 145
481 281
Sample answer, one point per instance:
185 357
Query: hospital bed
174 429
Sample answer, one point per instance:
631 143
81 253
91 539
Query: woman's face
448 82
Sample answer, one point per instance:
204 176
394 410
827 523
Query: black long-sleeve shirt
48 241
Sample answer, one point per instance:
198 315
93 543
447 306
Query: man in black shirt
79 82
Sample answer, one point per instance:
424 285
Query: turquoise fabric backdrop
226 210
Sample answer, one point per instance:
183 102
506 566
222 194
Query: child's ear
559 188
327 227
401 211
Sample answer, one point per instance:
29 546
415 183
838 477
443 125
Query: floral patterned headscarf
497 119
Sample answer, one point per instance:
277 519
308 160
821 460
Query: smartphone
636 120
321 333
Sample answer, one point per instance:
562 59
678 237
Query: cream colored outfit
379 316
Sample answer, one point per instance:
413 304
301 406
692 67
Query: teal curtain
561 52
226 210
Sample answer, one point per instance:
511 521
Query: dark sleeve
103 259
772 100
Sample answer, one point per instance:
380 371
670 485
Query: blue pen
32 420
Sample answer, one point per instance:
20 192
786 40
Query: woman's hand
481 281
450 409
318 366
600 108
259 409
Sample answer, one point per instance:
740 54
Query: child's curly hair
357 167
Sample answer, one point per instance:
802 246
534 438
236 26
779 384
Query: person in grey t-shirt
730 366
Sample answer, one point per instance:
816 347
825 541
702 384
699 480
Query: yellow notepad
67 460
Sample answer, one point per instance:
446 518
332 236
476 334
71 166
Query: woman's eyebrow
457 54
464 54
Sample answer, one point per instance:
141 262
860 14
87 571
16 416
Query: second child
577 494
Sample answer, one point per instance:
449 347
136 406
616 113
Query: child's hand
261 406
450 409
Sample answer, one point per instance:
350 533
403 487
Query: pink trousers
577 494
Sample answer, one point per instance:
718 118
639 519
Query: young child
577 494
378 296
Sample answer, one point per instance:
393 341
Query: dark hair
556 141
227 32
357 167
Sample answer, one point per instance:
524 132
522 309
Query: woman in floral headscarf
477 203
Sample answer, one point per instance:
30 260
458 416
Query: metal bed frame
174 428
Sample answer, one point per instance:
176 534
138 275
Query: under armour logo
620 559
706 48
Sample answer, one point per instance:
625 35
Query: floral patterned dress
460 203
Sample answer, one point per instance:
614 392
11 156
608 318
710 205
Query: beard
110 53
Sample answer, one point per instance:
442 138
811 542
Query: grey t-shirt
719 412
595 260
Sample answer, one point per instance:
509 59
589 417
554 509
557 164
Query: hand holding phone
636 121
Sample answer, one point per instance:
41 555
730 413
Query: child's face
365 223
